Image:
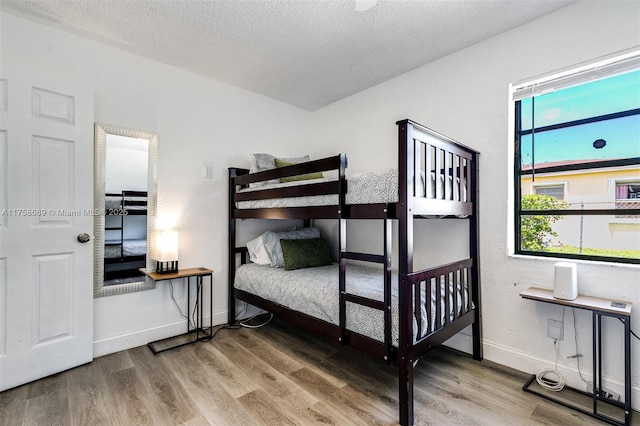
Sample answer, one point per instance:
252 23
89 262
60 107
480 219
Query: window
581 127
628 191
627 196
555 191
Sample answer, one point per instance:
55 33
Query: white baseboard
141 337
527 363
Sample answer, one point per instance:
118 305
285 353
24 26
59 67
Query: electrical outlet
604 393
555 329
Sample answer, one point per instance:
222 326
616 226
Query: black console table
199 333
599 308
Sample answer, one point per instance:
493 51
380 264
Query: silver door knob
83 238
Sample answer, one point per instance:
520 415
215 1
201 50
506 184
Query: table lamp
167 252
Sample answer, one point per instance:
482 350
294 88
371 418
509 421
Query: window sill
576 261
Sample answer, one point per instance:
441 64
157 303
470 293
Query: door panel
53 180
53 106
46 290
52 307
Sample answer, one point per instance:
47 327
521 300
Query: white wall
199 121
125 169
465 96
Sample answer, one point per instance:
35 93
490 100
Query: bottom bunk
123 259
314 292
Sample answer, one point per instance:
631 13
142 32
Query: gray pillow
262 162
272 245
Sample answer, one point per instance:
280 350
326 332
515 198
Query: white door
46 197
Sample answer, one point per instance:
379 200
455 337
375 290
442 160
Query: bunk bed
406 312
125 246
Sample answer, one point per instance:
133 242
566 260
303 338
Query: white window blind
605 67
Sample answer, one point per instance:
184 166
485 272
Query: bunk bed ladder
382 305
120 227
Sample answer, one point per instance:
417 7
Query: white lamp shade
167 246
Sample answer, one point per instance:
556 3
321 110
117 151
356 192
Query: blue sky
622 135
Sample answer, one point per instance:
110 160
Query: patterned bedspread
129 248
314 291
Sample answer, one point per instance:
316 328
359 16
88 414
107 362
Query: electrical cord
192 318
244 311
542 377
245 323
575 336
550 384
240 323
194 313
224 327
553 384
176 303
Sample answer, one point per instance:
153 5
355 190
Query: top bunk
125 203
436 177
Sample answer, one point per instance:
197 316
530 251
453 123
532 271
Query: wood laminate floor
277 376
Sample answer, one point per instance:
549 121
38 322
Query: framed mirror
125 203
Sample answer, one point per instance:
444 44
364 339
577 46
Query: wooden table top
182 273
582 302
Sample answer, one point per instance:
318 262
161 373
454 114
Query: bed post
405 267
474 251
342 248
231 308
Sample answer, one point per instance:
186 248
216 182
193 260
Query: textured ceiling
305 53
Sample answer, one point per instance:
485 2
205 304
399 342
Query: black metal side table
599 308
199 333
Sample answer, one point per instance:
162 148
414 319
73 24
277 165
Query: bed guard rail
337 162
240 178
441 296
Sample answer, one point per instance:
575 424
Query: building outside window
580 127
628 196
555 191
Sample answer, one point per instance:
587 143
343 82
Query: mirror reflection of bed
125 243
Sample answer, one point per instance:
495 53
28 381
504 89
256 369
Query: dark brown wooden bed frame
130 203
421 152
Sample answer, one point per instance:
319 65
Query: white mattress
314 291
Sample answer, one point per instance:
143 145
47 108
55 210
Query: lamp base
170 267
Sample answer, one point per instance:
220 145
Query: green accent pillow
305 253
283 163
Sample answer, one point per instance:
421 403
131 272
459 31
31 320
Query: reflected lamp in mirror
167 252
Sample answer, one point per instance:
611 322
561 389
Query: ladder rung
377 258
376 304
